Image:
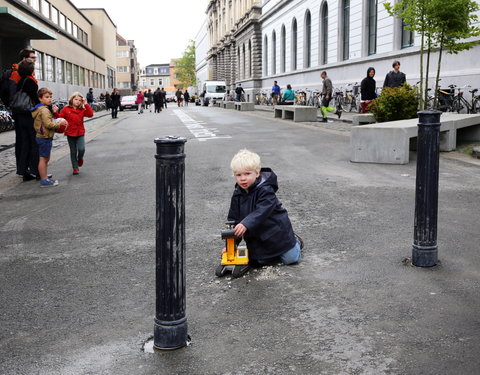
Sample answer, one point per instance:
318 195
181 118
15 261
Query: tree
185 66
442 25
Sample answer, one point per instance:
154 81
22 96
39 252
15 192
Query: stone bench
297 113
244 106
363 118
228 105
390 142
218 103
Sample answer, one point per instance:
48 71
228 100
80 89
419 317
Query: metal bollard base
423 256
170 336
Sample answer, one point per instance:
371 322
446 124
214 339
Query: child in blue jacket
258 214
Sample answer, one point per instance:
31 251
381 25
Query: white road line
197 129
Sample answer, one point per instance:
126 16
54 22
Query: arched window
283 42
372 26
265 56
307 54
274 52
346 30
294 44
249 58
324 36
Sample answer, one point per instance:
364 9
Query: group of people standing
37 120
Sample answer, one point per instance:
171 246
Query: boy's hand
239 230
64 122
55 108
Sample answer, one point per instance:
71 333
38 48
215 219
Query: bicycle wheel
476 106
347 104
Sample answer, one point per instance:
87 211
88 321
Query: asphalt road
77 261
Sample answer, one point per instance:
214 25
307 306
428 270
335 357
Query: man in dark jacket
258 214
90 97
395 78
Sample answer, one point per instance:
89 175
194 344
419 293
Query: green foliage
185 67
395 104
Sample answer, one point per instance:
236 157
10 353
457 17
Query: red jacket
140 98
74 118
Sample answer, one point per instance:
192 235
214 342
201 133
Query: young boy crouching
45 127
259 216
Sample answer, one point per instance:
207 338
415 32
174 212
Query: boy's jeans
291 256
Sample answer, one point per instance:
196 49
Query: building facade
292 41
201 65
154 76
73 46
128 70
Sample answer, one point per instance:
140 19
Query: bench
228 105
244 106
218 103
297 113
390 142
363 118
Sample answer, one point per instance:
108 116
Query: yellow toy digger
235 258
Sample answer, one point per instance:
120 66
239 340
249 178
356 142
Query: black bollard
425 251
170 328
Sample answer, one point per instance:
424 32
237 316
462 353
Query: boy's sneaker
76 171
80 162
47 183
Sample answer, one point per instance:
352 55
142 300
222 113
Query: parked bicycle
262 98
351 99
313 98
300 97
461 105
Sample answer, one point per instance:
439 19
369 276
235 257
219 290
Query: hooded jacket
269 230
43 121
368 87
74 117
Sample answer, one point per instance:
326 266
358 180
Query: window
372 27
35 4
75 75
39 66
265 56
69 26
62 21
49 68
324 36
122 69
111 77
407 36
123 54
307 58
274 52
283 43
54 15
346 30
249 58
152 82
60 71
244 60
160 82
75 30
45 8
69 77
81 75
294 44
155 71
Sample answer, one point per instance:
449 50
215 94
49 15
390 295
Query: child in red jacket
74 113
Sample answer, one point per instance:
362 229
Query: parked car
128 102
170 97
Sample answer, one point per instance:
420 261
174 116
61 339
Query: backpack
7 87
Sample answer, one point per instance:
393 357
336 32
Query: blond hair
245 160
70 99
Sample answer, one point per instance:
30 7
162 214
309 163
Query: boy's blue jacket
269 230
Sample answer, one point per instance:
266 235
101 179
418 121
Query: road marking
197 129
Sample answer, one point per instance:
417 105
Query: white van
214 90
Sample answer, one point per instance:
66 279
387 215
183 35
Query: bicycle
300 97
460 103
350 101
261 98
313 98
339 98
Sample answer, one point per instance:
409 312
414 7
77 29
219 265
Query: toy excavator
235 258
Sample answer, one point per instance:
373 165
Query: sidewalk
347 117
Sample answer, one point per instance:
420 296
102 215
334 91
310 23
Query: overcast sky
161 29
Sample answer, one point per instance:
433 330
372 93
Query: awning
15 25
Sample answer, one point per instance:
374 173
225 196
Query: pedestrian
275 93
90 98
395 78
102 97
258 215
74 113
139 102
288 97
327 93
178 95
115 97
202 97
186 97
108 101
148 99
239 91
45 127
164 97
157 100
368 90
26 147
